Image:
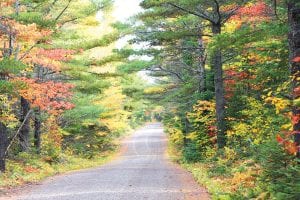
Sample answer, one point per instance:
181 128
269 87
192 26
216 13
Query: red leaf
279 139
296 59
295 119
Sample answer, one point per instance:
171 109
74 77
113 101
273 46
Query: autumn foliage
232 78
56 54
257 12
49 58
6 3
48 96
226 75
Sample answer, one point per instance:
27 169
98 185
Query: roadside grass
198 170
28 168
222 180
214 186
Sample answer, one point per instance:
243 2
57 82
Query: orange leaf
291 147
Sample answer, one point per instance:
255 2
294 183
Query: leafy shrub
281 172
252 126
191 153
52 141
218 170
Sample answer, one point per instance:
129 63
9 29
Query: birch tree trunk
201 65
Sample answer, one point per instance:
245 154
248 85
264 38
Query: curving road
141 172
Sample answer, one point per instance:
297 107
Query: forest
223 77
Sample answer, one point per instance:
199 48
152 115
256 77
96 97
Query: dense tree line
227 77
33 92
55 99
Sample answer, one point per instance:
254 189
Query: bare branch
63 11
28 51
227 15
18 132
177 75
201 15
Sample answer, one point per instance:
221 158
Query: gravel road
142 171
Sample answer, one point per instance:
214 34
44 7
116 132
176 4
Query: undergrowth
27 168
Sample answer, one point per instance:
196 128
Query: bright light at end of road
125 9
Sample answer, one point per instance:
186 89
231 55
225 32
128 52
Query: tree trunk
25 129
294 45
3 146
219 91
201 66
11 45
17 7
186 131
38 74
37 131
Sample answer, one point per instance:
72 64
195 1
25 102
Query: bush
281 172
191 153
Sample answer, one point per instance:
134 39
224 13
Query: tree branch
218 10
171 72
201 15
63 11
28 51
229 14
18 132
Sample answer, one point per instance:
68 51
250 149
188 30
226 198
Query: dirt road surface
141 172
